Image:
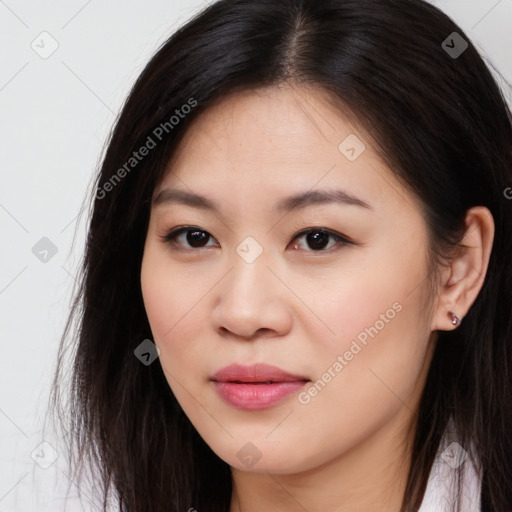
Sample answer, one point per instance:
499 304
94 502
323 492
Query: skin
299 308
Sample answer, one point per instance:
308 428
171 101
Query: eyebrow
297 201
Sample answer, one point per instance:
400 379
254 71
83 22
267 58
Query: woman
296 293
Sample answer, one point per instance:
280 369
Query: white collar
441 483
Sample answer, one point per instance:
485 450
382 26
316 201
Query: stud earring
454 318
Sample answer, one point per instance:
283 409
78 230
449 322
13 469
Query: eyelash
339 239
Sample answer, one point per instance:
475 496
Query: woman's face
257 279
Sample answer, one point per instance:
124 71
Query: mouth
257 386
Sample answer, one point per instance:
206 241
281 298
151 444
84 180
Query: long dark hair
438 119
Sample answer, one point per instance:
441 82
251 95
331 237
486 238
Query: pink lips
255 387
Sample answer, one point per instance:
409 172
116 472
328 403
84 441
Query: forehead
277 141
280 124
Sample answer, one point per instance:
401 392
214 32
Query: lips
257 386
257 373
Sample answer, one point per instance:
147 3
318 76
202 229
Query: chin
264 457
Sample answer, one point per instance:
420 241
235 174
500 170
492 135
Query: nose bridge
250 273
249 297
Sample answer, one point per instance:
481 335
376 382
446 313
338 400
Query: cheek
159 295
363 377
172 299
378 332
353 304
166 302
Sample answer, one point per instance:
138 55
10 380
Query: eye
194 236
318 239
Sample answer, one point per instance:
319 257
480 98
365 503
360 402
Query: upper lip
255 373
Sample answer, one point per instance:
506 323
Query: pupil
194 238
317 240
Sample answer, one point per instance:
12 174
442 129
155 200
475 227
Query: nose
252 301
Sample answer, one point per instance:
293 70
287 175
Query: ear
462 279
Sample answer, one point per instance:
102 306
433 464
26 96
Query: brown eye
318 239
195 237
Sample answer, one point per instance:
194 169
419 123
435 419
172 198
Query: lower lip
256 396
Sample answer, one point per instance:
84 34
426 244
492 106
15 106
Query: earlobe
466 272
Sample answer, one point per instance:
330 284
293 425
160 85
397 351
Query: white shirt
441 484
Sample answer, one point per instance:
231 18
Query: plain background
57 111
